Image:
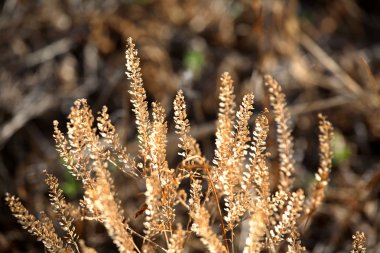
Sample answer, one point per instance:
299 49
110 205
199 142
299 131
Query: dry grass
235 189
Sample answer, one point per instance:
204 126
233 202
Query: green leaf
341 151
70 186
194 60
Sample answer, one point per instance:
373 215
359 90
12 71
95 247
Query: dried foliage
236 185
177 241
284 138
42 228
322 176
62 210
187 143
358 245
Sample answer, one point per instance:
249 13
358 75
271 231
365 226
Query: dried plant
236 184
323 173
358 245
42 228
62 210
284 137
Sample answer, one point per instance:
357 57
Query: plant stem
218 206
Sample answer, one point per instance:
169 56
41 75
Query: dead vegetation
240 176
324 55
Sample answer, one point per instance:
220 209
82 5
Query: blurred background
325 54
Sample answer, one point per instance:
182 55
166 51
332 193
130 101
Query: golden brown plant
62 210
358 245
42 228
187 143
323 173
177 241
284 137
102 199
222 197
257 229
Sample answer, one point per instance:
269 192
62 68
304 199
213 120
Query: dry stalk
239 175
